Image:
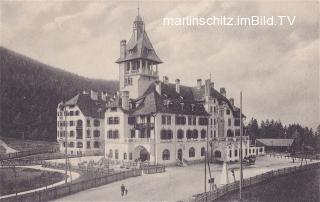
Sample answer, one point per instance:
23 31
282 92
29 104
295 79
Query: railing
144 125
140 140
67 189
154 169
225 189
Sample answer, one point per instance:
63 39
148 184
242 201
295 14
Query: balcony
140 126
138 140
234 139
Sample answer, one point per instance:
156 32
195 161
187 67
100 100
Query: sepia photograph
159 100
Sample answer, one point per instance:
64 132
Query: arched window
192 152
189 134
116 154
203 151
110 153
163 134
195 134
229 133
166 154
203 134
237 132
180 134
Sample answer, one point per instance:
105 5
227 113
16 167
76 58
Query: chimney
231 101
207 87
199 83
178 85
125 99
123 47
93 95
223 92
165 80
158 86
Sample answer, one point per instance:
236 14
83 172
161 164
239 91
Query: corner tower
138 62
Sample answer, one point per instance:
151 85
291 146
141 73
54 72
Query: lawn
304 186
23 179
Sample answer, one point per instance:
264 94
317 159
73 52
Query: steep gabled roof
88 106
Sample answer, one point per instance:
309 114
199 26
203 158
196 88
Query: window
112 134
79 123
203 134
166 134
110 153
195 134
116 120
166 154
189 120
130 156
229 122
88 123
211 109
88 145
203 151
210 121
203 121
116 154
96 133
88 134
237 132
110 120
236 152
124 155
230 153
180 120
96 144
71 123
163 117
71 144
189 134
191 152
180 134
169 120
228 111
96 123
116 134
77 113
131 120
215 109
133 133
71 113
79 145
237 122
72 133
194 122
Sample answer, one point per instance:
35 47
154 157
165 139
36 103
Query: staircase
185 162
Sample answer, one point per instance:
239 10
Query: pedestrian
122 189
126 191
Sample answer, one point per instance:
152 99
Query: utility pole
241 174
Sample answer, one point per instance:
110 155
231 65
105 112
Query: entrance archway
142 154
217 154
180 154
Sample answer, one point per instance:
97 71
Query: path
175 184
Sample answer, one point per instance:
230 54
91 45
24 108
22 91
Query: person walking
122 189
126 191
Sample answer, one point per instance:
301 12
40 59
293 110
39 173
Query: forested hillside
30 92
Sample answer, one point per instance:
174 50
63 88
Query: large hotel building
151 119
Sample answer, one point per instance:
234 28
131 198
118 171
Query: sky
276 67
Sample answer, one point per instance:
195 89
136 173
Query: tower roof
139 45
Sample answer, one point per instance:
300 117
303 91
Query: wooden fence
154 169
21 154
67 189
264 177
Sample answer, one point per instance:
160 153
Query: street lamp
154 114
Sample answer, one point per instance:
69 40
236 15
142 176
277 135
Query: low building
273 144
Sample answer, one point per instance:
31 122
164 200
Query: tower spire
138 7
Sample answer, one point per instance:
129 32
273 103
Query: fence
213 195
154 169
27 153
66 189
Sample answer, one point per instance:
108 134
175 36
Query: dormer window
182 106
192 107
